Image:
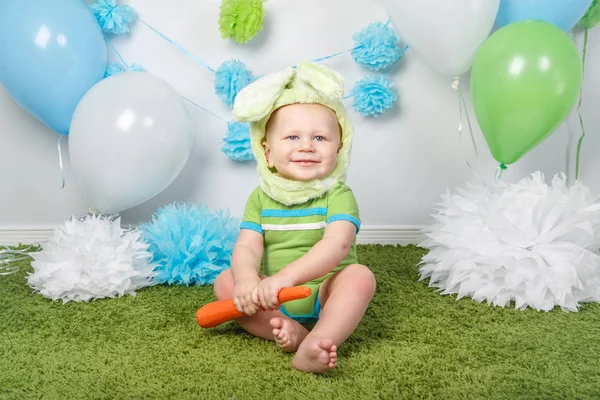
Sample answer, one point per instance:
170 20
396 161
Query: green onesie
291 231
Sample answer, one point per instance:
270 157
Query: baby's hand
242 296
268 289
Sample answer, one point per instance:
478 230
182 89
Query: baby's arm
322 258
245 267
247 255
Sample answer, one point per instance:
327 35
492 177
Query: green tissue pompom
591 17
241 20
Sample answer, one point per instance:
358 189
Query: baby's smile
305 162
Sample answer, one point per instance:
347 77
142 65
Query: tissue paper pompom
91 257
231 77
112 18
115 68
241 20
190 244
377 46
237 142
529 242
373 95
592 16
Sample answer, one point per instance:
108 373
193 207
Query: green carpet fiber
412 343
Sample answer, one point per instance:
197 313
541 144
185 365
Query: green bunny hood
309 83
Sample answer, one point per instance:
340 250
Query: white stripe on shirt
294 227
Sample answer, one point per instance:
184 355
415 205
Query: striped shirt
291 231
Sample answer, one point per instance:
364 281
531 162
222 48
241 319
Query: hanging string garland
376 48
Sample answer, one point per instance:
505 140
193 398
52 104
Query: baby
300 225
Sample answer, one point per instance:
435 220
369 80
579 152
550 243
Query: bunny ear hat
309 83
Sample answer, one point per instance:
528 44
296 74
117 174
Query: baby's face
302 141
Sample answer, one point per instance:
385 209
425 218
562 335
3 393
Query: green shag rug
413 343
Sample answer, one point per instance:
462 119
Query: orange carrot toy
218 312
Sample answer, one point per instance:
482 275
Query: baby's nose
306 145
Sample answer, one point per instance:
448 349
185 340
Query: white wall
402 161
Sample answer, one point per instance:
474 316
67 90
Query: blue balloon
563 13
51 54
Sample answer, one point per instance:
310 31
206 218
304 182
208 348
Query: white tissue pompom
529 242
90 258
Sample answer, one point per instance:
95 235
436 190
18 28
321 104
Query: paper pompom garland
377 49
91 257
237 142
241 20
190 244
374 95
113 18
116 68
529 243
376 46
231 77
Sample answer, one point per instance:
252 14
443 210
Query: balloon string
60 162
462 109
469 124
585 40
501 168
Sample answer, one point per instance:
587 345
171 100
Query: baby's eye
319 138
293 137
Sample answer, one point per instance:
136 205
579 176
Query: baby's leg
345 297
270 325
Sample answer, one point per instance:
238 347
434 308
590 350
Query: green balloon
525 80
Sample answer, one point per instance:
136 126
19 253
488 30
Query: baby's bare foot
288 333
316 355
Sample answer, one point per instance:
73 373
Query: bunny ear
327 82
256 100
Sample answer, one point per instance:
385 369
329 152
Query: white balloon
447 33
130 138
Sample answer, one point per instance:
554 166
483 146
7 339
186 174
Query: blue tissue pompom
237 142
231 77
373 95
378 46
112 18
115 68
190 244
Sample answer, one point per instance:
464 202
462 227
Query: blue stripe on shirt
293 213
345 217
252 226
